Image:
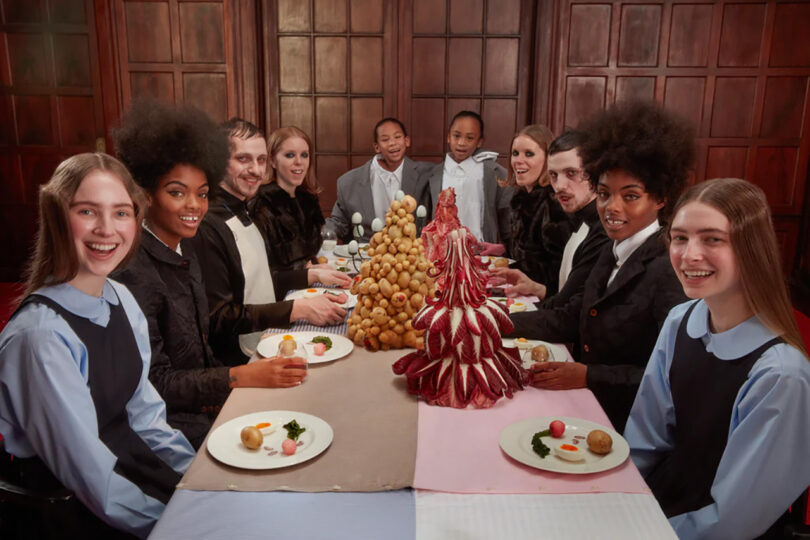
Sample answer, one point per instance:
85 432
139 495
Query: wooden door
54 103
738 70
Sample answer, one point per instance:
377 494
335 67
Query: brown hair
274 143
543 137
55 260
753 242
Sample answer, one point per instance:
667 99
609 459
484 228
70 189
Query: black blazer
616 327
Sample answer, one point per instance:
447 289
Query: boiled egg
523 343
266 428
569 452
516 307
310 293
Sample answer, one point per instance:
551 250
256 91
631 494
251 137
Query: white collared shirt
467 178
622 250
384 186
568 252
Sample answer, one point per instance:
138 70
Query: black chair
798 528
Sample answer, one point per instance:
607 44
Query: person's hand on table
559 375
274 372
522 285
321 310
328 276
492 250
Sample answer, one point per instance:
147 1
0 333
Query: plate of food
317 291
497 262
260 440
330 346
343 250
533 350
515 305
564 444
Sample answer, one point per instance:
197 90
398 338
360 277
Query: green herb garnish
323 339
537 444
343 269
294 430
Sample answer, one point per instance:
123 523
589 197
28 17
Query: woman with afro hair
178 156
637 156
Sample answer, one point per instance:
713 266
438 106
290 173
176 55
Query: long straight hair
753 242
274 143
55 260
543 137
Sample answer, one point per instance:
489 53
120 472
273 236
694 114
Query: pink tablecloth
458 451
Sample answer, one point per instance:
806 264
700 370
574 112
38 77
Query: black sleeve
557 325
285 281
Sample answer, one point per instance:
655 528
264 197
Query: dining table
399 468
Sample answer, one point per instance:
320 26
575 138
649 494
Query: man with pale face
576 197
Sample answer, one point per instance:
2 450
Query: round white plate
301 293
341 346
225 443
491 261
516 442
556 353
343 250
516 306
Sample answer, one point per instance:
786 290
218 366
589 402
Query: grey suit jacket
497 213
354 195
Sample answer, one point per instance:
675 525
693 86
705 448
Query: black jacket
169 290
291 226
615 327
224 282
585 255
540 230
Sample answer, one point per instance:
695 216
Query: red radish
319 349
557 429
288 447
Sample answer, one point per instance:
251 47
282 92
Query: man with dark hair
241 287
370 188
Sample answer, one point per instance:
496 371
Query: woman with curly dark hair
540 228
288 211
637 156
178 156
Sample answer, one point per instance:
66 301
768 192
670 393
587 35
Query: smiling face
103 226
624 205
178 204
702 255
569 182
246 167
291 163
391 144
464 138
527 160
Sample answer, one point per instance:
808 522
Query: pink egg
288 447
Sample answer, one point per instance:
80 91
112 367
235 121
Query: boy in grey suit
370 188
483 203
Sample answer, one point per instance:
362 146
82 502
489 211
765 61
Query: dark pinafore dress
703 389
114 371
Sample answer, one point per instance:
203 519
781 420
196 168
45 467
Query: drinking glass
329 240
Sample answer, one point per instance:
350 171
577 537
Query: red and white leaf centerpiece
464 361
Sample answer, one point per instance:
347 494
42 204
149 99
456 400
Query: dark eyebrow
701 231
178 182
96 205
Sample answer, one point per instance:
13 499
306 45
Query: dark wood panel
330 64
37 168
583 96
635 88
428 55
791 44
464 66
365 114
76 120
689 35
733 111
331 124
429 16
8 134
30 59
294 64
366 65
741 37
152 84
32 11
202 32
782 112
17 227
72 60
428 127
297 111
501 66
67 11
330 15
589 35
11 187
34 120
500 121
775 173
639 35
684 95
329 169
787 235
294 16
726 162
466 16
209 92
359 159
367 16
501 17
148 31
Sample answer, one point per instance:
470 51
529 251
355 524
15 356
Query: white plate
556 353
516 442
225 443
350 302
527 306
340 346
343 250
491 261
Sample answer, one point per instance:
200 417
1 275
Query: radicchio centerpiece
464 361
